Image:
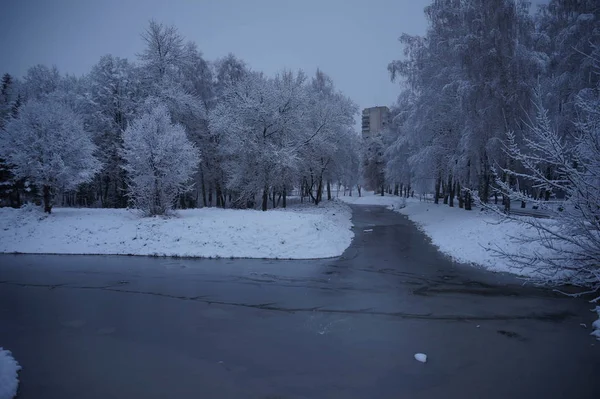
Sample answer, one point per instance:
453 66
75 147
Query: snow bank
467 236
9 380
300 232
370 198
596 324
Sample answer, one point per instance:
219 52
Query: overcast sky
352 41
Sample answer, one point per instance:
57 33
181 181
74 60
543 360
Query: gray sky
351 40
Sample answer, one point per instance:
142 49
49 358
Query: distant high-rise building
374 120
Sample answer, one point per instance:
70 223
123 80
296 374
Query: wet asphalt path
136 327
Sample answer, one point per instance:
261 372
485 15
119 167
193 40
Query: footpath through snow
299 232
465 236
468 236
472 236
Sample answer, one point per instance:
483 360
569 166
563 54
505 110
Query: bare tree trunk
507 181
47 199
466 193
485 184
438 183
396 189
328 190
468 200
382 190
452 187
265 198
319 191
284 197
446 191
219 196
203 185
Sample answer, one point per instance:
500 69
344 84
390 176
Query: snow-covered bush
572 243
48 145
596 324
159 159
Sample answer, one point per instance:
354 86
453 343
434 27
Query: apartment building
374 120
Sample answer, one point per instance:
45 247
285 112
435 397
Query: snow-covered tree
111 101
252 137
567 32
397 149
470 80
274 132
39 81
570 245
7 97
374 164
226 73
9 192
328 122
164 52
160 160
47 144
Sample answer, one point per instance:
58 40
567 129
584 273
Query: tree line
173 130
501 102
481 71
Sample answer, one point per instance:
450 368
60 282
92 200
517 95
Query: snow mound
9 380
304 231
596 324
421 357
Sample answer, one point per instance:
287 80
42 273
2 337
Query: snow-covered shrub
160 161
596 324
572 243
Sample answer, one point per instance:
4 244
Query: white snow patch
300 232
596 324
421 357
468 236
9 380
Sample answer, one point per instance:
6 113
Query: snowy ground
369 198
9 380
300 232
